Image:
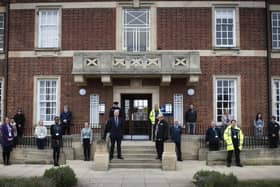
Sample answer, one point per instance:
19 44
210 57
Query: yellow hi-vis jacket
153 116
228 138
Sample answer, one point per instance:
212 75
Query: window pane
275 30
136 29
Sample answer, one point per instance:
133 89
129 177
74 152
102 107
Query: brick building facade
140 53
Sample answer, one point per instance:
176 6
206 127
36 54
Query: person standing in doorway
7 140
66 118
213 137
175 134
115 128
20 120
153 119
86 140
56 134
191 116
161 135
273 133
234 138
113 108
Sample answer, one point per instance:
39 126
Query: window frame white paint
36 112
136 30
235 29
277 27
2 100
237 97
94 119
178 107
274 95
38 45
2 14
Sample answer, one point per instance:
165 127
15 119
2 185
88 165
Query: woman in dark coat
7 140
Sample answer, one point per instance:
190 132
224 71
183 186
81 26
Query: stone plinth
169 158
101 157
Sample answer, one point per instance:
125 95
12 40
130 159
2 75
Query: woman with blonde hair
41 134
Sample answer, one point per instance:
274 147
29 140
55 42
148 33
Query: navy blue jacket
175 133
213 136
56 134
66 115
5 135
115 131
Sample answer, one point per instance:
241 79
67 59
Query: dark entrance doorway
136 109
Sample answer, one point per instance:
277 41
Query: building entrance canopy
144 64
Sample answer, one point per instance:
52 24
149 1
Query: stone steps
136 156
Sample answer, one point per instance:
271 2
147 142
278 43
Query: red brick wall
252 80
22 29
88 29
252 28
184 28
21 87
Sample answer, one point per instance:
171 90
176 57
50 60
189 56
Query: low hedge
259 183
216 179
26 182
63 176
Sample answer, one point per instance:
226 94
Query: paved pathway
142 177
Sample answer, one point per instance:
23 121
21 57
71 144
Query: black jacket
273 128
56 134
115 131
162 130
191 115
19 119
213 136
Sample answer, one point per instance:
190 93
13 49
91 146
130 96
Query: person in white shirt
14 125
41 134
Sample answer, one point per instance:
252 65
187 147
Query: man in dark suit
115 128
213 137
161 135
175 134
56 134
20 120
66 117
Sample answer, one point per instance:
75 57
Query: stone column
101 156
169 157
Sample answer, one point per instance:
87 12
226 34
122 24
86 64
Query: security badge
234 136
216 136
57 134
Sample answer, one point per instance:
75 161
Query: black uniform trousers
273 142
178 150
159 147
86 145
237 155
6 150
115 139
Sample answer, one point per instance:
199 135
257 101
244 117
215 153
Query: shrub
63 176
27 182
259 183
214 179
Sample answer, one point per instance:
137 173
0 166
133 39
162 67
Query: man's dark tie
116 122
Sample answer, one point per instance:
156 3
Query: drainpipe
5 68
268 65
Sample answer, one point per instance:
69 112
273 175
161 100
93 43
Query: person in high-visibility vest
153 118
234 138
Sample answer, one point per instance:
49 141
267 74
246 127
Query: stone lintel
106 80
165 80
80 80
194 78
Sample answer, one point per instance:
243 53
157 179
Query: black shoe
157 158
228 165
120 157
111 158
239 165
180 160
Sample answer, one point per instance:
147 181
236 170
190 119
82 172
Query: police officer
153 119
273 133
233 137
56 133
175 134
161 135
213 137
